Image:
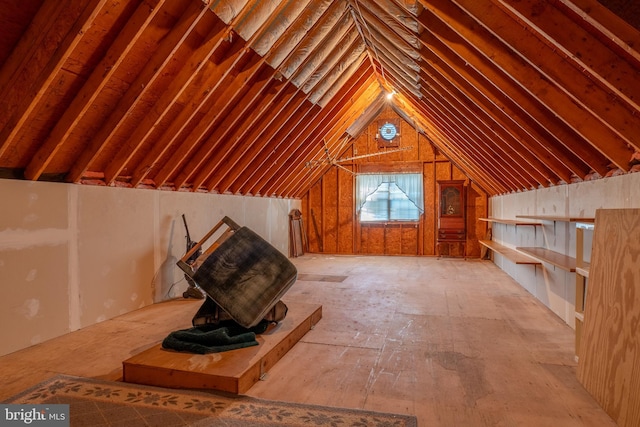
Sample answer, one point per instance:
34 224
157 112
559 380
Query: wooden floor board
454 342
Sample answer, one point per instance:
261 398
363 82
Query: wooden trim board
232 371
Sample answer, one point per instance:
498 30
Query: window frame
388 200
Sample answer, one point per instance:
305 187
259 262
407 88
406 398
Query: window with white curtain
389 197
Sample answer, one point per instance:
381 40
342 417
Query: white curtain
409 183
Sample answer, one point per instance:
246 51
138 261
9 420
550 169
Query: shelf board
511 254
557 218
509 221
583 271
585 225
555 258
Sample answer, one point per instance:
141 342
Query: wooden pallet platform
232 371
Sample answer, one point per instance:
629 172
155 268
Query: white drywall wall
74 255
553 286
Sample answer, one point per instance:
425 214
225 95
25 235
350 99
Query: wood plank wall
329 213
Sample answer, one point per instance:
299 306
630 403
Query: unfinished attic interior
448 166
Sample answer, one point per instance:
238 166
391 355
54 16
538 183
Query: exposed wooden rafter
237 95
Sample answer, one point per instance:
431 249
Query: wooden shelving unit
511 254
509 221
574 265
557 259
557 218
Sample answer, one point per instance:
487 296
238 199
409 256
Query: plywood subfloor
231 371
455 342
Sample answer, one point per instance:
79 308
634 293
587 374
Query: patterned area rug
102 403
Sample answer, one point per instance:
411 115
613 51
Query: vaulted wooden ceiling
237 96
